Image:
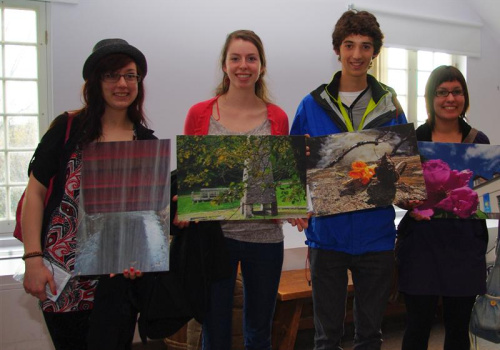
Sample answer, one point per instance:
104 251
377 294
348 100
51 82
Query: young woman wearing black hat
113 96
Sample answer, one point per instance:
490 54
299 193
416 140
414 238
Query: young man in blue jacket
361 241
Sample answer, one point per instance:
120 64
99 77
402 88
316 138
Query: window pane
22 132
3 203
1 97
403 100
425 60
18 164
21 97
1 55
422 80
20 61
421 110
2 133
398 80
397 58
441 59
3 168
15 195
20 25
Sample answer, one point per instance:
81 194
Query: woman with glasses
113 96
442 259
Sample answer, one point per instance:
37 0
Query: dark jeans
113 319
421 311
371 275
261 270
68 330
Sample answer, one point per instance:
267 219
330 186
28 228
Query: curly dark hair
358 23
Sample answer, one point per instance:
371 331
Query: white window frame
380 71
9 246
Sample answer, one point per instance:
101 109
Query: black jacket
167 300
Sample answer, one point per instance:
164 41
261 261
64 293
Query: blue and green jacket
322 113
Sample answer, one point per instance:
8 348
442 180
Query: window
407 72
23 100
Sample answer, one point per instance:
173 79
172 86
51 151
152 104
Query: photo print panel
239 177
364 169
462 180
124 207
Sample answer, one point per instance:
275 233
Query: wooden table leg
286 324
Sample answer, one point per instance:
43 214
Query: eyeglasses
445 93
115 77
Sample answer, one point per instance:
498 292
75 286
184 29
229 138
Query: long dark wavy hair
94 103
261 89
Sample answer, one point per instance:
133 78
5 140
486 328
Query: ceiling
489 11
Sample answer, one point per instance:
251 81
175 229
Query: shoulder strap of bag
71 116
17 229
471 136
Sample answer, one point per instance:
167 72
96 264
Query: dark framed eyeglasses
115 77
445 93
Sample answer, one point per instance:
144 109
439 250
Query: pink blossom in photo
448 190
461 201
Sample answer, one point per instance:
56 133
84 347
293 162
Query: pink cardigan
198 118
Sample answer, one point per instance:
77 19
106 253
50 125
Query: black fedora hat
111 46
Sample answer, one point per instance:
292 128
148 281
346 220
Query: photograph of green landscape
241 177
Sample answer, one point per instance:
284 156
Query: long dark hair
94 103
438 76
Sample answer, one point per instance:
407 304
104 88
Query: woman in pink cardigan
242 107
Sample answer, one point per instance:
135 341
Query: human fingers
36 277
302 224
180 224
419 217
308 150
133 273
52 285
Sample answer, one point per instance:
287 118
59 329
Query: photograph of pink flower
460 180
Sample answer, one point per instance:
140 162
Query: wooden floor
393 334
393 329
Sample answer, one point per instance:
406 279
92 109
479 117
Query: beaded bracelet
32 255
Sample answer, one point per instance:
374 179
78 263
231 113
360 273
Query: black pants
113 319
421 310
68 330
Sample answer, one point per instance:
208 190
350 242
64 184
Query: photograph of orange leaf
364 169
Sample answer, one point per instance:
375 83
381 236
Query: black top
424 132
442 256
52 155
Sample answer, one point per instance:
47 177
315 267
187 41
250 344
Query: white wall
182 40
483 80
